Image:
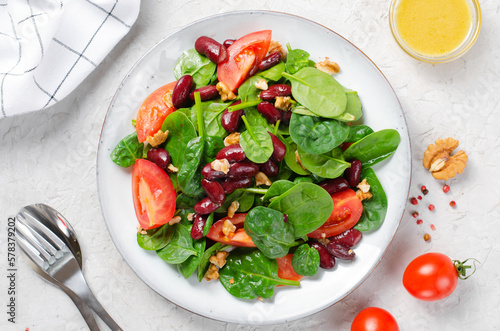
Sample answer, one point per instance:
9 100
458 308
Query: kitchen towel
48 47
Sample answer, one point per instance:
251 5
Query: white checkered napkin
47 47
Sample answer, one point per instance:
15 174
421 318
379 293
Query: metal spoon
50 246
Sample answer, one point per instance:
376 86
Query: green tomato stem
289 282
199 114
461 268
244 105
255 190
276 127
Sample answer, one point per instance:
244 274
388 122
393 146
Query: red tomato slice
243 56
285 268
347 210
239 238
153 194
153 112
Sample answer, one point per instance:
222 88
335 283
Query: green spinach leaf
256 143
374 147
291 157
269 232
213 145
156 238
375 208
244 198
180 247
180 131
249 274
247 91
204 261
127 151
296 59
189 266
277 188
305 260
208 224
356 132
189 176
274 73
198 66
323 165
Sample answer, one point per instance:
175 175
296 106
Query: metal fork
50 244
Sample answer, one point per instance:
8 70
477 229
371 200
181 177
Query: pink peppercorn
415 214
446 189
419 222
433 227
431 207
453 203
414 201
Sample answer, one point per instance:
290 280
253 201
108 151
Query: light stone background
49 156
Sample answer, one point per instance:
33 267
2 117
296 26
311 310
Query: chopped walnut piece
261 84
224 92
228 228
167 98
364 186
328 66
221 165
297 158
190 217
174 220
274 47
141 230
440 162
219 259
231 281
231 139
212 273
262 179
283 103
172 168
233 208
158 138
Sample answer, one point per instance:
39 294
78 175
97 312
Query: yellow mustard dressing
433 27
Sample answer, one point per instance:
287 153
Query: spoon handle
86 312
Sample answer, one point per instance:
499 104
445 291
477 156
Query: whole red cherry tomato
374 319
433 276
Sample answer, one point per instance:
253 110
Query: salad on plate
253 167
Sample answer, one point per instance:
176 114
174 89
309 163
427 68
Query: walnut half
440 162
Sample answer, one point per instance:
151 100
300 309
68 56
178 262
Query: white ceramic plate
381 110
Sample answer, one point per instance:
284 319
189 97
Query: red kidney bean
334 185
285 218
231 120
243 169
160 156
340 251
270 168
206 206
285 117
199 222
182 89
353 174
206 93
231 184
215 51
228 42
270 112
270 61
232 153
348 238
277 90
210 173
279 148
326 260
214 191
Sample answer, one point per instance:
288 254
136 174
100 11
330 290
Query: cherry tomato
153 112
243 57
239 238
430 277
374 319
285 268
347 210
153 194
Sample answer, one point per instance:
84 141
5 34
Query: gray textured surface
49 156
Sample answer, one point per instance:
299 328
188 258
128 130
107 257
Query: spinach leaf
189 266
244 198
319 92
156 238
249 274
180 131
374 148
212 114
302 180
180 247
184 201
247 91
208 224
189 176
356 132
296 59
273 73
277 188
256 143
204 261
353 111
317 135
305 260
307 206
301 110
375 208
127 151
269 232
213 145
198 66
323 165
255 118
291 158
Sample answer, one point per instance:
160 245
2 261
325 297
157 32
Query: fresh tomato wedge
239 238
154 195
347 210
285 268
243 56
153 112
